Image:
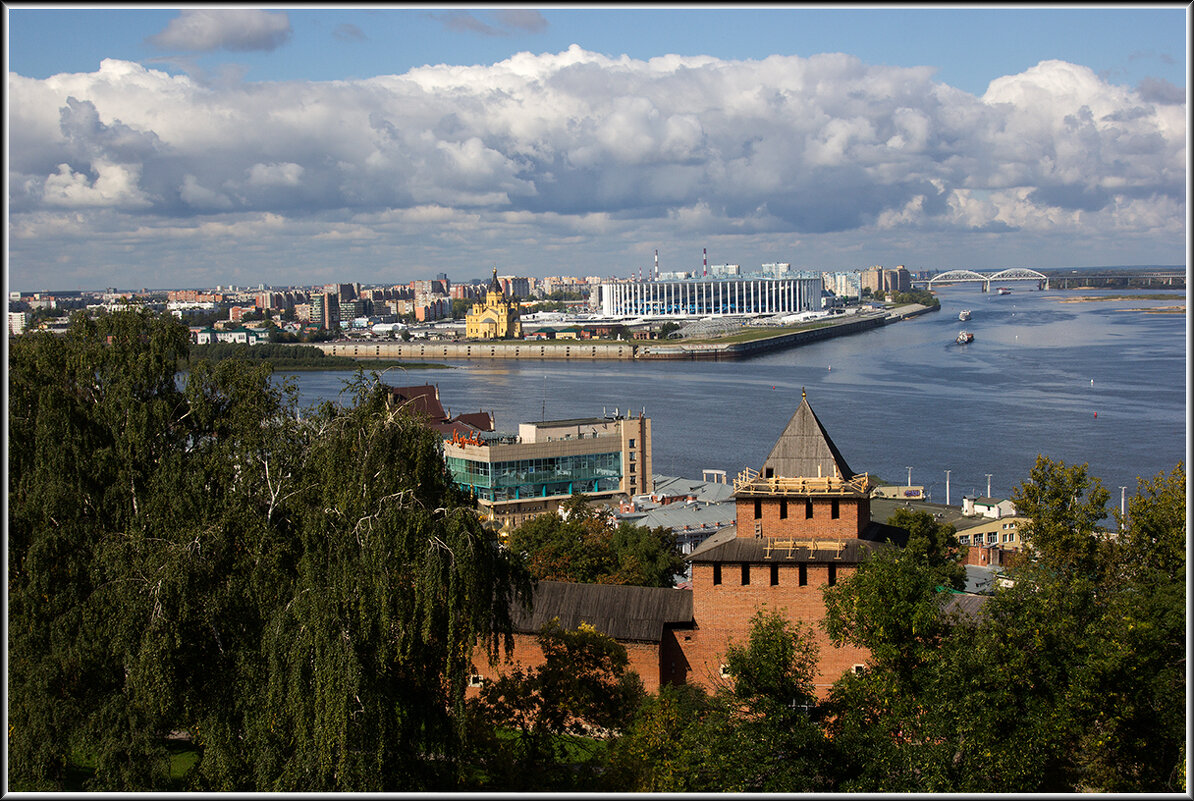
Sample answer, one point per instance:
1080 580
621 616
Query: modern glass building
712 297
514 478
517 479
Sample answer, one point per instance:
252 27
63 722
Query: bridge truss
970 276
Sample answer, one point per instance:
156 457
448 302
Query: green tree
1064 506
656 753
760 732
583 545
933 544
94 429
668 328
583 687
1069 680
1132 690
461 307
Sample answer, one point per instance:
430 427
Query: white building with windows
711 296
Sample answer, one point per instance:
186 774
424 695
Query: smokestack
705 254
656 264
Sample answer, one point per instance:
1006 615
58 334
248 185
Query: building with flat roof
711 297
516 478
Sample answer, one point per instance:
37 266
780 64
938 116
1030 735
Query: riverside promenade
579 349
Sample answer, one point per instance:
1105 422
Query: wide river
1097 382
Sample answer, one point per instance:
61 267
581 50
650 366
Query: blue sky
590 151
967 46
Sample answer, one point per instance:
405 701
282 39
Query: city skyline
203 147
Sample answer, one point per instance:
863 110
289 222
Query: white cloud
582 144
204 30
115 185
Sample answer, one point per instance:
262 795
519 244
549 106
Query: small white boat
1004 291
964 338
964 314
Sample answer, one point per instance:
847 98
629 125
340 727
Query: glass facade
538 478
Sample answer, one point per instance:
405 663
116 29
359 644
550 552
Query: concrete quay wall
580 349
466 350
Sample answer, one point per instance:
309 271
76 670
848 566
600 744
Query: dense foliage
584 545
922 296
583 686
756 733
1070 679
284 357
299 595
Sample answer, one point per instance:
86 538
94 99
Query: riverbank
290 358
730 347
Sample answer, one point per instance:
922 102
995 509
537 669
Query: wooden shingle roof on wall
805 450
759 551
622 612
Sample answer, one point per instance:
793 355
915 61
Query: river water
1096 382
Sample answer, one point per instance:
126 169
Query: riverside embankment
729 348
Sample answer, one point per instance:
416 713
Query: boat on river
964 338
964 314
1004 291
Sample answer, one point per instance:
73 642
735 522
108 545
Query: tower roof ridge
805 449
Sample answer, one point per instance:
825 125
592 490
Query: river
1097 382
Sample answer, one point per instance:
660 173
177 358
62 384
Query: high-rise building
325 311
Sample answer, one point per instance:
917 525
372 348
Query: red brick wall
644 660
723 612
853 516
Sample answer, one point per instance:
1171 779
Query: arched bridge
970 276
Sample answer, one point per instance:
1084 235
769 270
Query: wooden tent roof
804 449
622 612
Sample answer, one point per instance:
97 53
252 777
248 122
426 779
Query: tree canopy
1070 679
585 545
297 593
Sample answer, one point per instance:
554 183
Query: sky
204 146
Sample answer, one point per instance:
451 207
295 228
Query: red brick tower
803 523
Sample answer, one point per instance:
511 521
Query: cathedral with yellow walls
496 318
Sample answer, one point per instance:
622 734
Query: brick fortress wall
723 611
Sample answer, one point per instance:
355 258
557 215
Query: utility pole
947 488
988 475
